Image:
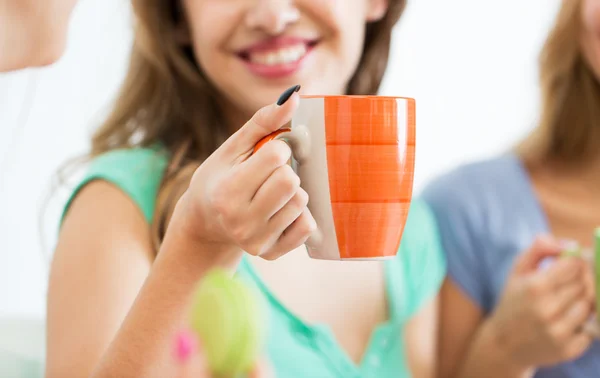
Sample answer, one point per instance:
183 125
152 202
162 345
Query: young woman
503 312
172 193
32 33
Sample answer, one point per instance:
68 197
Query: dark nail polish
287 94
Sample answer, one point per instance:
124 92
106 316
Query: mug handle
298 138
587 254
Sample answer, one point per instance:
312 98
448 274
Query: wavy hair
569 126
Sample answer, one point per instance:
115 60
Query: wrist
200 255
491 342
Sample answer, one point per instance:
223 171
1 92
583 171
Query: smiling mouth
278 55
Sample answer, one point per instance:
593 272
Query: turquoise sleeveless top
295 348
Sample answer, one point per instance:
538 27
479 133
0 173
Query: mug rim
372 97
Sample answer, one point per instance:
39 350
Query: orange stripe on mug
355 157
369 173
369 230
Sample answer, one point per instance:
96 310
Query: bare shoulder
101 214
101 261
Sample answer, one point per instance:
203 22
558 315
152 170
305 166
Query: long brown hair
167 99
569 127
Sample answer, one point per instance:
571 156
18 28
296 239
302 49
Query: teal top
295 348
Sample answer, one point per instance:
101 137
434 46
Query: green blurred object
574 251
597 264
228 316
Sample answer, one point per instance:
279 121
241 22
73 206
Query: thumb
542 248
267 120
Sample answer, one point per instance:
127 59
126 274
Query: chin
48 49
40 58
50 58
254 97
39 49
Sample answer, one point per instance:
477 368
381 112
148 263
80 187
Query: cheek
344 25
591 33
208 32
351 39
591 16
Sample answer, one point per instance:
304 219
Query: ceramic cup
355 157
592 256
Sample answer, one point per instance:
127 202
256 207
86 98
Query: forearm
143 344
486 358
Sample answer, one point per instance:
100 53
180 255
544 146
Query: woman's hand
541 316
253 201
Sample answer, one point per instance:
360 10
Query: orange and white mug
355 157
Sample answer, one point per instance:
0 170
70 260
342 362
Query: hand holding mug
542 313
253 201
592 257
355 158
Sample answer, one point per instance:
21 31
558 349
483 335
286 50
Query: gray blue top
488 213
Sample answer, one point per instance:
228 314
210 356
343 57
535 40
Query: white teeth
272 58
281 56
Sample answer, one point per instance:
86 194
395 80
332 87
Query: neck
24 39
584 173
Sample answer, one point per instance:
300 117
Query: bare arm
533 324
467 346
103 260
459 320
421 336
113 310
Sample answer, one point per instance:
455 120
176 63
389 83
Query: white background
471 65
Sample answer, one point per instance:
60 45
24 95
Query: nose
272 16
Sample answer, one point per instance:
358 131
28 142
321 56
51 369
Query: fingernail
578 309
185 346
568 243
545 263
287 94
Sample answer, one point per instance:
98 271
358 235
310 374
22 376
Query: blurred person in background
33 33
503 313
173 192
